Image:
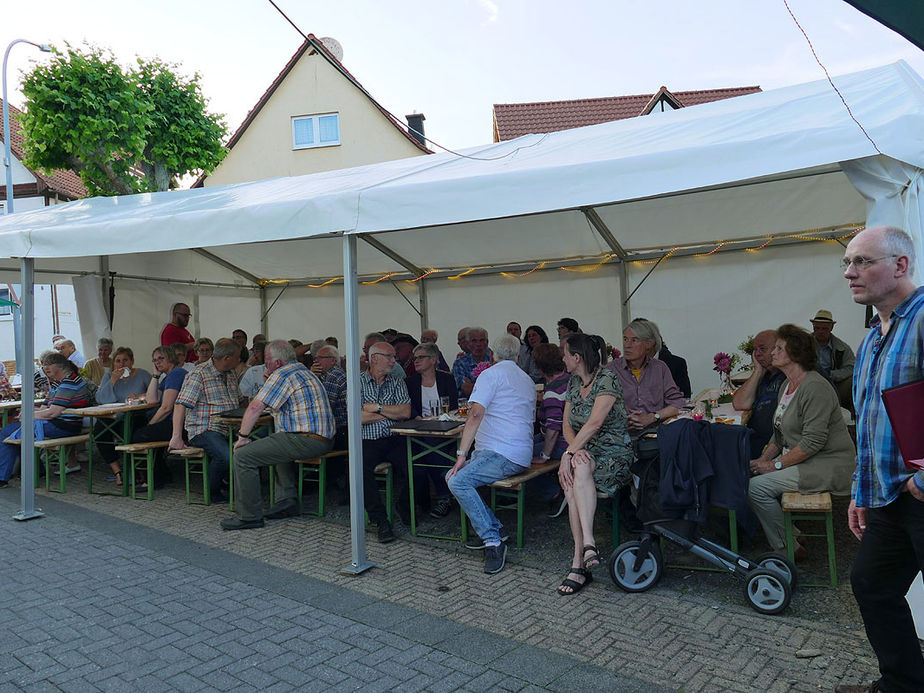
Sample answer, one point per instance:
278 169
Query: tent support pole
264 313
624 309
28 511
360 562
424 306
104 272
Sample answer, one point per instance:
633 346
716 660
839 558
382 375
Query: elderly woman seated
811 450
95 369
123 382
69 391
204 348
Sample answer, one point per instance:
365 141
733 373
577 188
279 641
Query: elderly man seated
207 391
500 424
760 391
327 367
385 402
304 428
66 348
477 341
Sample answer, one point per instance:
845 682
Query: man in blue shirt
886 512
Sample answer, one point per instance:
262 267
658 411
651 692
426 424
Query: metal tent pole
360 562
28 510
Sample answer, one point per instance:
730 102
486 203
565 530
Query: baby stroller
686 467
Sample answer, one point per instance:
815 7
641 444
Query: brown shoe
859 688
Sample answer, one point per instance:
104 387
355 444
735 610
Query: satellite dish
333 47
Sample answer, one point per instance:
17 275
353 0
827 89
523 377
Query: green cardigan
813 421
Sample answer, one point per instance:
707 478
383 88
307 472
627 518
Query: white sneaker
70 469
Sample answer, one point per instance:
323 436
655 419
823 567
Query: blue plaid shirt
298 400
335 382
883 362
463 366
392 391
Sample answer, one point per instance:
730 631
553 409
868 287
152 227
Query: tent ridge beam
603 230
385 250
227 265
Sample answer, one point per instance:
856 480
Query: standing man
304 428
385 402
478 352
886 512
209 390
835 358
175 331
760 392
500 424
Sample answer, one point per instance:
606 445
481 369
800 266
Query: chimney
415 127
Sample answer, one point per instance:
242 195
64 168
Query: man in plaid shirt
207 391
305 428
886 512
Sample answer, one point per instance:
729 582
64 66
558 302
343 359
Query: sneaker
557 505
441 508
494 558
476 543
69 469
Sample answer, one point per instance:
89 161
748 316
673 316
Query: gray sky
453 59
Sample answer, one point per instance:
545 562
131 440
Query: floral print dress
611 447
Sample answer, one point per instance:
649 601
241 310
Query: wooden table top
111 409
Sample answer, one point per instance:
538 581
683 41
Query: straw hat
824 316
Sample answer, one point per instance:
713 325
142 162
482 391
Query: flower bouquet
479 369
724 365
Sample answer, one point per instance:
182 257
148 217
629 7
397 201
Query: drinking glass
444 404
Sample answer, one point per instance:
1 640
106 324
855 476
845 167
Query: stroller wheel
632 571
767 591
780 563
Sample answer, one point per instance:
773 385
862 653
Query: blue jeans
216 446
10 453
483 467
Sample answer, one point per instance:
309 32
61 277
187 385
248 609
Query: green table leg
438 448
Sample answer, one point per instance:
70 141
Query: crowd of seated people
594 415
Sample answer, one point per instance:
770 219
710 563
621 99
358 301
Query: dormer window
321 130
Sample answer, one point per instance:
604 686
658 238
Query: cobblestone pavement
670 637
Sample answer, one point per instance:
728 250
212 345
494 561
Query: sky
454 59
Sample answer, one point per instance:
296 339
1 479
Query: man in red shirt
175 331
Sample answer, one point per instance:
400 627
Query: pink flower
479 369
723 363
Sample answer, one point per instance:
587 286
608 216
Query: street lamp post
26 321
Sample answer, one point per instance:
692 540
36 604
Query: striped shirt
552 411
206 392
885 361
392 391
335 382
298 400
70 393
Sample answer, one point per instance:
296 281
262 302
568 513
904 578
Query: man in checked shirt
886 512
304 427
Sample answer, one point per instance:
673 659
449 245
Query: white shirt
252 381
428 395
77 359
508 396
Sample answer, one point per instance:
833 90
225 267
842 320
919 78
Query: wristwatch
657 416
777 465
248 436
379 410
462 452
544 456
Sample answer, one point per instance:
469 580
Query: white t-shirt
427 395
252 381
509 398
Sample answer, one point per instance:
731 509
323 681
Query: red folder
905 406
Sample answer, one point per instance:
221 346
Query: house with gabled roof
512 120
33 189
315 116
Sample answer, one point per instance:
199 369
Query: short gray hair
329 350
103 341
226 347
377 336
897 242
280 349
646 331
316 346
476 330
506 348
427 349
53 358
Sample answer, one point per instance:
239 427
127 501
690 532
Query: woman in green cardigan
811 450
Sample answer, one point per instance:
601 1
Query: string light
380 279
329 281
422 276
514 275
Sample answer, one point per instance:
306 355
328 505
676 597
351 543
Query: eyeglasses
861 263
420 358
184 315
378 353
158 359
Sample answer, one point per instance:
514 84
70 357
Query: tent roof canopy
733 171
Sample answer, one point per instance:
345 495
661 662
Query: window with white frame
321 130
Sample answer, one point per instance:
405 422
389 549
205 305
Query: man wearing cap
835 357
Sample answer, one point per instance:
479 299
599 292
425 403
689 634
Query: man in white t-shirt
503 409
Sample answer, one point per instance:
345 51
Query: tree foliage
121 130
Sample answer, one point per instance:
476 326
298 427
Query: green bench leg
389 505
135 461
198 466
790 544
313 475
789 517
614 505
832 561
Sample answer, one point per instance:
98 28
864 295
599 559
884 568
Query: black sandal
593 560
575 586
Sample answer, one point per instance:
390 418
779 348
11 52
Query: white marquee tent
774 173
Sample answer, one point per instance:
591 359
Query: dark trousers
891 554
391 449
216 446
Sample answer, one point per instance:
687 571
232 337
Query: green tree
121 130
